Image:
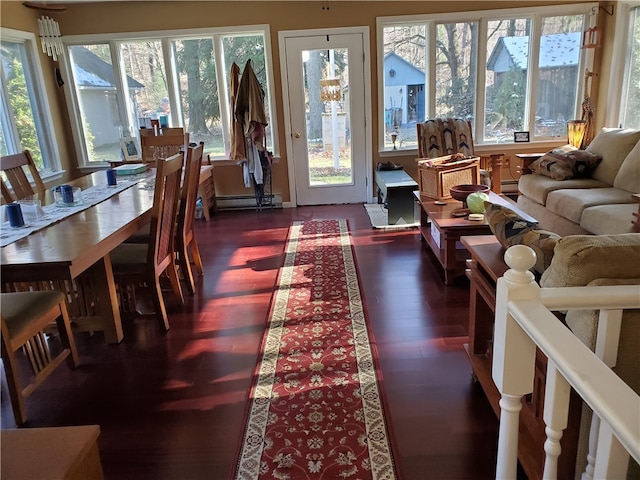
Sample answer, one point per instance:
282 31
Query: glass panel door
327 113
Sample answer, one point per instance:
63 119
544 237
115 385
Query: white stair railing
523 321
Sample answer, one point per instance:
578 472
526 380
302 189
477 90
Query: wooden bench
395 189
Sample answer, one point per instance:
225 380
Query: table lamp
575 132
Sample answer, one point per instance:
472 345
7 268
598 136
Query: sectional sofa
601 201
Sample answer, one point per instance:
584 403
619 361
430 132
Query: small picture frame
520 137
130 148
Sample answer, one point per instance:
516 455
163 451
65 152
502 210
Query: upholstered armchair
447 136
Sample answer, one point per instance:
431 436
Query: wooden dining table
73 256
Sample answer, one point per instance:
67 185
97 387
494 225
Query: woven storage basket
435 177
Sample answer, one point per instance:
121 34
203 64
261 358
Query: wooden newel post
513 355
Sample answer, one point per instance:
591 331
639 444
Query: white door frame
282 37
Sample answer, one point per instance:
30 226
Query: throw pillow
511 229
628 177
566 162
613 145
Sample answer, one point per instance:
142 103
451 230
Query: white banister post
556 414
607 340
513 355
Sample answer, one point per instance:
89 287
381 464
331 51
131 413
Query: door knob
296 134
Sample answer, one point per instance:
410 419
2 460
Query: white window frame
40 105
620 62
482 17
166 37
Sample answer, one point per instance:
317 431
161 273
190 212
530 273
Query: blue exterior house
404 96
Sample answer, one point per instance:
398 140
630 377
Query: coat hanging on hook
249 111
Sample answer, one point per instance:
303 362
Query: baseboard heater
245 202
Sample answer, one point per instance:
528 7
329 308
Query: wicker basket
436 176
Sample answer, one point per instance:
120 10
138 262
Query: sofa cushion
565 162
580 259
571 203
537 187
628 177
613 145
549 220
511 229
609 219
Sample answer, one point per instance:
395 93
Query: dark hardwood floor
171 406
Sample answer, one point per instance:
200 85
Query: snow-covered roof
556 50
90 70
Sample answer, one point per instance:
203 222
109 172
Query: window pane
631 110
456 65
19 128
558 66
96 91
199 93
404 84
148 89
326 74
506 78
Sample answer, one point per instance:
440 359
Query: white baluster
513 355
556 413
612 460
607 340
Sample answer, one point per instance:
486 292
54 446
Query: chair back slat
13 167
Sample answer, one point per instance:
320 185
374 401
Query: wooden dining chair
186 245
138 265
24 317
158 146
13 167
162 146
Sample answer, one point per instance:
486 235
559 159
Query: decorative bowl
461 192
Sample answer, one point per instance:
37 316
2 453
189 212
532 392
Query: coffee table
441 231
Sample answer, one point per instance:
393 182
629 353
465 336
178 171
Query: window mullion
533 74
173 84
222 85
481 82
430 70
120 81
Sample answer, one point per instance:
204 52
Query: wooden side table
59 453
484 267
526 159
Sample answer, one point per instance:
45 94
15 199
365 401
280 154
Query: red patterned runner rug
316 409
